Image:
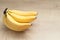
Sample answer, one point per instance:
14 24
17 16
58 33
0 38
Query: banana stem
5 11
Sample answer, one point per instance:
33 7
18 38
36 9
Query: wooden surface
46 27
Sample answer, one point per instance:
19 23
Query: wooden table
46 27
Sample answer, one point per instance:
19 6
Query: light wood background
46 27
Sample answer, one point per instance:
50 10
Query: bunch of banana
18 20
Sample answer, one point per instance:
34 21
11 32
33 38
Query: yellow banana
18 20
24 13
12 24
23 19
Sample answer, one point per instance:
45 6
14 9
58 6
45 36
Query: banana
18 20
13 25
24 13
23 19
